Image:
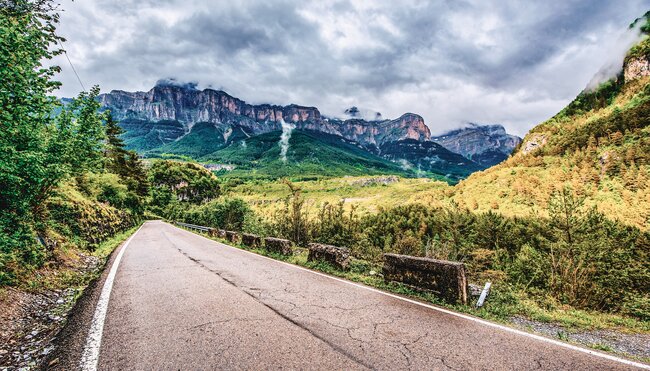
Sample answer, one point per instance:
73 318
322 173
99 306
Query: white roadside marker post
484 294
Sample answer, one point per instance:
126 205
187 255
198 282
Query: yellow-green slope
599 145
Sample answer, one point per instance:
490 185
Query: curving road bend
181 301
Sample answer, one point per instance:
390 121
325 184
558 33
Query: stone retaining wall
221 233
444 278
337 256
278 245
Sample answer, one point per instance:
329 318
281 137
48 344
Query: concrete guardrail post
251 240
337 256
278 245
443 278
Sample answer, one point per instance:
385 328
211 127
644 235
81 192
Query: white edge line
90 356
447 311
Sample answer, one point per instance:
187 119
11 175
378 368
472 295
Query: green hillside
310 155
142 136
204 138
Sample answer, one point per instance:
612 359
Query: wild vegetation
600 149
66 181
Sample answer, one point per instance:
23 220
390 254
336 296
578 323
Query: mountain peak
487 145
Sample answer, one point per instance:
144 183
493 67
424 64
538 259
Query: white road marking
446 311
90 355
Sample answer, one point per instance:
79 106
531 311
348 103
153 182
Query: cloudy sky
500 61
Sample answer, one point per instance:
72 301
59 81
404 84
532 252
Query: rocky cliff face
636 68
189 106
485 144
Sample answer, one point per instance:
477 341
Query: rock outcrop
486 145
173 116
533 142
636 68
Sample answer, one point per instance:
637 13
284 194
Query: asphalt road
181 301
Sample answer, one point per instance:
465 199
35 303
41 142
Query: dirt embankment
30 318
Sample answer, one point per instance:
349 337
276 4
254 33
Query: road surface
181 301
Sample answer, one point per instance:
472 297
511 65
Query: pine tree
592 145
137 173
115 153
630 177
123 162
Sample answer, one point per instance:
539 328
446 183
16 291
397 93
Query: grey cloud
451 61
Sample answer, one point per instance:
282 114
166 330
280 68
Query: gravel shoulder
635 346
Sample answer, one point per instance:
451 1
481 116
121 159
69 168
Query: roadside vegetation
67 184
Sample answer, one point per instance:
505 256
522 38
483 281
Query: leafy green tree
38 149
176 184
26 37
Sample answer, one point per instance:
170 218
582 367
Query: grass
502 303
603 347
266 196
106 248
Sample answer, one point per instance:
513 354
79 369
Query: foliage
50 153
37 150
175 182
86 222
177 188
291 221
229 214
589 100
577 256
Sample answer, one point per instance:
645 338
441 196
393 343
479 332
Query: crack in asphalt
334 346
216 322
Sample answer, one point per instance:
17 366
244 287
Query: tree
297 218
566 212
123 162
27 35
115 153
38 148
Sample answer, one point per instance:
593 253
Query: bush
230 214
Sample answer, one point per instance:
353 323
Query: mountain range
210 125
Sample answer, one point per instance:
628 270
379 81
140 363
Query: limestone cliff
189 106
487 145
